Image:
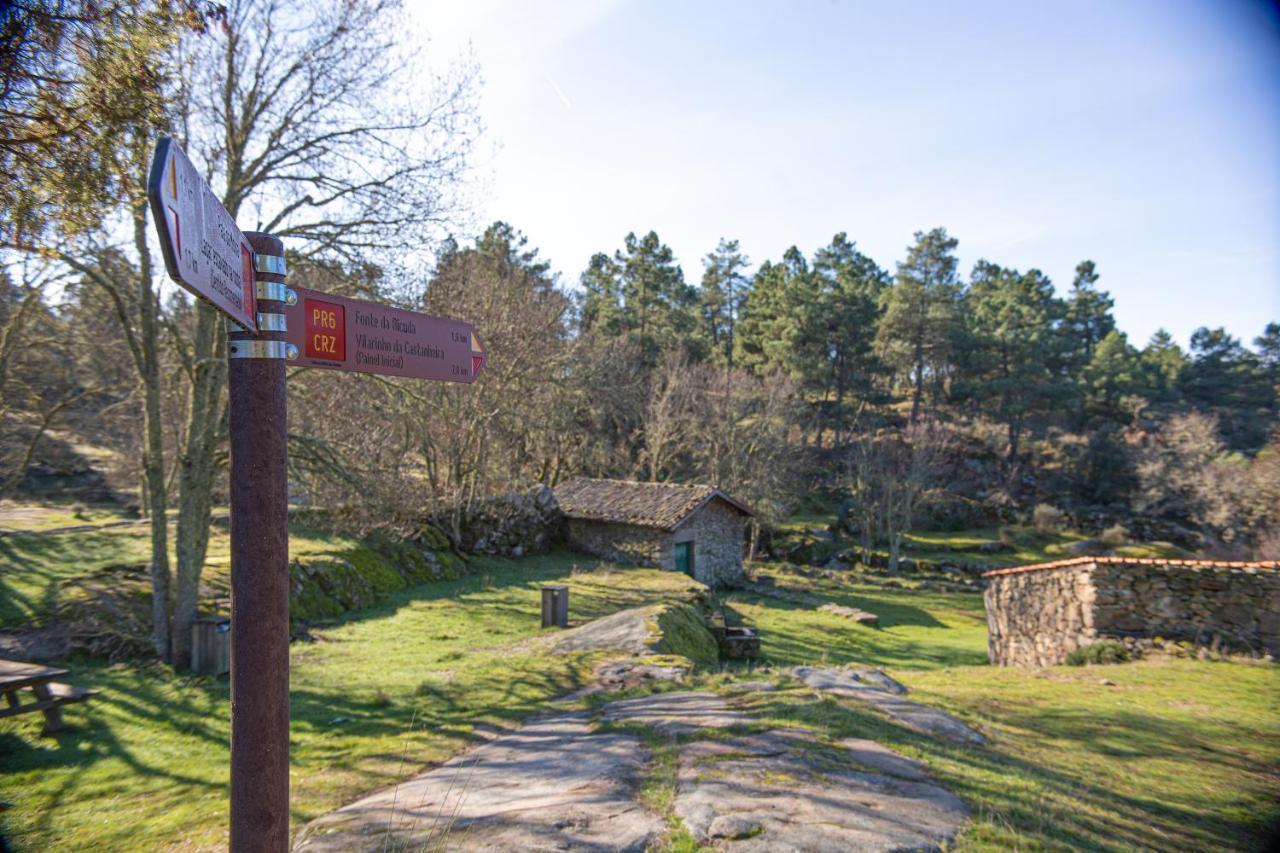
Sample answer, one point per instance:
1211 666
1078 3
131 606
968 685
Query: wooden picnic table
50 694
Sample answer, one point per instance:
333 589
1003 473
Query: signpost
350 334
203 249
243 276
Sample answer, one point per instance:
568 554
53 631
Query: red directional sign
203 249
350 334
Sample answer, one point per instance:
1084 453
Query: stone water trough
736 642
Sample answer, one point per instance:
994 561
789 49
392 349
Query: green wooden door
684 558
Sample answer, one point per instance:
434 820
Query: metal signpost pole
242 275
260 564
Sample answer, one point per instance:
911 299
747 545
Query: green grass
16 515
949 546
33 566
917 629
1173 754
1178 754
374 699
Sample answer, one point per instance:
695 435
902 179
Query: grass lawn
374 698
1025 545
1175 754
33 565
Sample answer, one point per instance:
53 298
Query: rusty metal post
260 566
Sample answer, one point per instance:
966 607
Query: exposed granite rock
553 785
914 715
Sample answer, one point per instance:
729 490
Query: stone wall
622 543
1037 615
512 525
717 532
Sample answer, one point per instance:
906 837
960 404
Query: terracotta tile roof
1134 561
661 505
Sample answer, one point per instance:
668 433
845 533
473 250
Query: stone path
562 783
884 694
782 791
552 785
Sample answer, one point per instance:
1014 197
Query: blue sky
1144 136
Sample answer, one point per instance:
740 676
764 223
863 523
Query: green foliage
724 290
922 315
640 292
1162 363
1011 348
1087 319
1114 372
1107 651
1228 380
87 88
684 631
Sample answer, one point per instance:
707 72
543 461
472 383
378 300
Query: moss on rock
683 630
328 585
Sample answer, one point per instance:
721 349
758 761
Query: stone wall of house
622 543
511 525
717 532
1038 616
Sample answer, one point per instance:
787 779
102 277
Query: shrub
1107 651
1047 518
1114 536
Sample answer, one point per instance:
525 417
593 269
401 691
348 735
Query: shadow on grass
795 633
1025 803
32 567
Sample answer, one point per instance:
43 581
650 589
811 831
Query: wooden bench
49 695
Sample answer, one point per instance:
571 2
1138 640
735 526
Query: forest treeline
915 392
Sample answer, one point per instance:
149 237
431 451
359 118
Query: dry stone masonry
1037 615
648 523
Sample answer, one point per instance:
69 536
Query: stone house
698 530
1039 614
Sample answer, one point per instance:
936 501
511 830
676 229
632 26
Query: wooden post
555 606
259 576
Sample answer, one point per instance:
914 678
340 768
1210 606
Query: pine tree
852 286
724 290
1013 344
1088 315
1114 372
641 293
770 330
1162 363
922 314
1229 380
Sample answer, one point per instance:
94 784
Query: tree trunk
195 481
153 442
918 394
1015 435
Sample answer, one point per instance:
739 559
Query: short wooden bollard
555 606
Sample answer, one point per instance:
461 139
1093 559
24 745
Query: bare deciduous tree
886 473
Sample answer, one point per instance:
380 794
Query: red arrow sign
350 334
203 249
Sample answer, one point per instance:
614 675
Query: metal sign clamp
276 291
271 323
262 349
273 264
266 323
